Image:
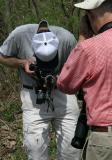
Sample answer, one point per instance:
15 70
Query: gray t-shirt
18 44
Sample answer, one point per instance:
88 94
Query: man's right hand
26 65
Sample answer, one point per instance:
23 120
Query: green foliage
9 111
57 12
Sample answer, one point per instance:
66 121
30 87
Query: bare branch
64 9
29 3
36 8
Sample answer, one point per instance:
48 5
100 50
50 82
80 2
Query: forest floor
11 137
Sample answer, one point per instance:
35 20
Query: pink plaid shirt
89 66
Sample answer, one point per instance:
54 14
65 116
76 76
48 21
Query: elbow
65 88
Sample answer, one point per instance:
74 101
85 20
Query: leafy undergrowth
11 133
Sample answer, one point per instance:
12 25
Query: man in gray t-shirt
47 48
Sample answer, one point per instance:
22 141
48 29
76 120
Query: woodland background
14 13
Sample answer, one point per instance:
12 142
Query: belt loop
110 129
90 130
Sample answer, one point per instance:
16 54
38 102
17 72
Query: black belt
28 87
31 87
100 128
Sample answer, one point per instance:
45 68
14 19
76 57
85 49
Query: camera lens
78 142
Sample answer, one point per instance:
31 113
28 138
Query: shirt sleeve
75 71
9 47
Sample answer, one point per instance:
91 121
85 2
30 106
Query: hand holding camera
45 83
26 65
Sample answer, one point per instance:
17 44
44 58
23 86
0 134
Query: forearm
11 61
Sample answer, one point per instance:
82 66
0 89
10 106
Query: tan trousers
99 146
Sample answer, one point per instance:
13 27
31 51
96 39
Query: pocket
25 96
100 139
100 145
27 102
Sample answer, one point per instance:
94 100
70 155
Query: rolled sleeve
9 47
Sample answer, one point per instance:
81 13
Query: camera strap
105 27
50 104
50 93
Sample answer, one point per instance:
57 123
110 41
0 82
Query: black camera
82 128
45 83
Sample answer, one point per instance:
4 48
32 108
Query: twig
5 124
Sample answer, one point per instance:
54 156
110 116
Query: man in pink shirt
89 67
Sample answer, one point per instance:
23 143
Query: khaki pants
36 122
99 146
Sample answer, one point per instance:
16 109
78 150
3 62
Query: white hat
45 44
89 4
